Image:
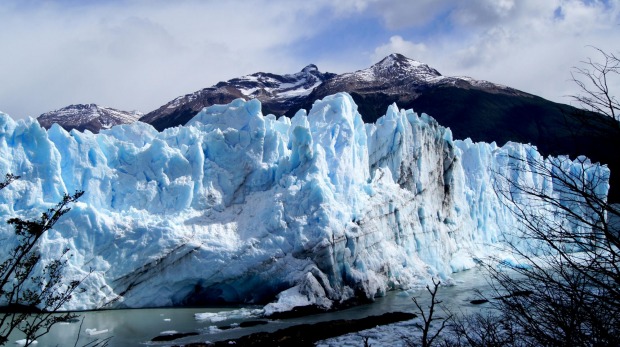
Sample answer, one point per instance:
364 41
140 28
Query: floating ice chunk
169 332
94 331
243 313
309 292
512 262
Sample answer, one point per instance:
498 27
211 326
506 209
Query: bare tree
593 79
571 272
483 330
428 317
568 290
32 299
565 291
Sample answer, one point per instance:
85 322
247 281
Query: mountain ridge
277 93
394 75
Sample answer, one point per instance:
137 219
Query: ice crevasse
237 207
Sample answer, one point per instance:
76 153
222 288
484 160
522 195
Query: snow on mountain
400 76
87 117
237 207
395 67
277 93
261 84
395 77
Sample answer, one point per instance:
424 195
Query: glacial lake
136 327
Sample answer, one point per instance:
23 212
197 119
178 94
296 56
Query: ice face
240 207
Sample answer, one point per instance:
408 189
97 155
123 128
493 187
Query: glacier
237 207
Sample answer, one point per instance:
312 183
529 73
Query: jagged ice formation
240 207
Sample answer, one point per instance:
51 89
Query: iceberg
237 207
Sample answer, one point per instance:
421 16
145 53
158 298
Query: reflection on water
137 327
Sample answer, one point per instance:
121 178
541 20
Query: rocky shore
308 334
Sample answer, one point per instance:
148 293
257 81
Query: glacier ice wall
240 207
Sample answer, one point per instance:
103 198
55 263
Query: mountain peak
87 117
397 64
78 106
398 60
310 68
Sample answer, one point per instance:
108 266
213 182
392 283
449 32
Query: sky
140 54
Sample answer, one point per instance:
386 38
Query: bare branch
593 79
41 293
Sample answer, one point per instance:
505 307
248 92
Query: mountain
397 75
399 79
395 78
319 209
87 117
278 94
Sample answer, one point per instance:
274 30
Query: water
137 327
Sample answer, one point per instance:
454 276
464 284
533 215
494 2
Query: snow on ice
245 208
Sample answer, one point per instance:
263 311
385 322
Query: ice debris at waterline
237 207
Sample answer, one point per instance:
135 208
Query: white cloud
140 54
397 44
